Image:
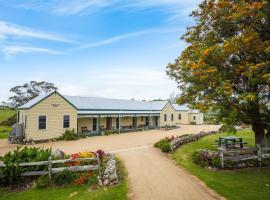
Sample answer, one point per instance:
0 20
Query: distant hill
6 113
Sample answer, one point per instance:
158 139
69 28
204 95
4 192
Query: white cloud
10 51
138 83
9 29
175 8
123 37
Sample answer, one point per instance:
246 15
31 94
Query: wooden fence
258 153
52 170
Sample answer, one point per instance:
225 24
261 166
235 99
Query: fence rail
53 170
258 153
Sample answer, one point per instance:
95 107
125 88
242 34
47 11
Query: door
146 121
94 128
134 122
156 121
108 123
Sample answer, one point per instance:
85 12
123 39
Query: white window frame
46 123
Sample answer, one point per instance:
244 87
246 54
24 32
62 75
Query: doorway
108 123
94 127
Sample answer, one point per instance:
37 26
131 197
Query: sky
105 48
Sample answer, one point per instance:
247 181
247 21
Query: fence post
259 153
99 166
50 167
221 158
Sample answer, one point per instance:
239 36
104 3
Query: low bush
63 178
164 145
110 132
11 172
206 158
70 135
43 181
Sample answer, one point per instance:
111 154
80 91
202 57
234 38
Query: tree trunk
258 129
258 126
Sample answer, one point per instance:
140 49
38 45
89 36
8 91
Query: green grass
237 184
4 130
116 192
6 113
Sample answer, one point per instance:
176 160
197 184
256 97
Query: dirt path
152 176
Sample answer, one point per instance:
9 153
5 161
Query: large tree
226 65
28 91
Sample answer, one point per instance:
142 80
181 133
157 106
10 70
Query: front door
156 121
146 121
94 128
108 123
134 122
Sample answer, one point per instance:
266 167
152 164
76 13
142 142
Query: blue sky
108 48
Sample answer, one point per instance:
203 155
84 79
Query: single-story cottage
48 116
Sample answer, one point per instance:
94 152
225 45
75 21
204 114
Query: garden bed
26 168
250 183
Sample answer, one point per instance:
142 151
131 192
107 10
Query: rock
58 153
106 182
100 182
113 177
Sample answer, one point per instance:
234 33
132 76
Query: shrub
63 178
70 135
12 170
43 181
164 145
206 158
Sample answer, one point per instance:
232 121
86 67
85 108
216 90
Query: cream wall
198 118
186 117
54 107
167 110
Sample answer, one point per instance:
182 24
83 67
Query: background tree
28 91
226 65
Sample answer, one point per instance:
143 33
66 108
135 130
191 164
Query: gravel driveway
151 174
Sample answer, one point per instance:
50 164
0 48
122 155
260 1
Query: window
194 118
66 121
142 118
25 122
171 117
42 122
179 116
94 127
165 117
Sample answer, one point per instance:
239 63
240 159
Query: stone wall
110 174
184 139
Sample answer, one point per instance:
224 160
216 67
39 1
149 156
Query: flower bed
168 127
76 169
211 159
171 143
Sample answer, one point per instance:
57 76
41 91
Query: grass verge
116 192
235 185
4 130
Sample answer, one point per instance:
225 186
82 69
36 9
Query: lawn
116 192
237 184
4 115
